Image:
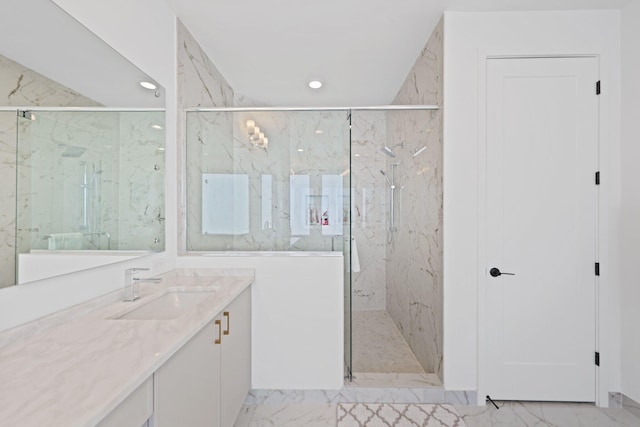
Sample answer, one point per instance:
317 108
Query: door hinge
598 87
597 268
598 178
26 114
597 359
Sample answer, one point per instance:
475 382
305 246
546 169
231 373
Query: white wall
144 32
141 31
630 208
297 317
469 38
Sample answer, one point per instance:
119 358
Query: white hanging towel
355 259
225 203
65 241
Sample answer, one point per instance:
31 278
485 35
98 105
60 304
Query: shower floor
380 354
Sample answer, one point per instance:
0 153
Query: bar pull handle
226 314
219 339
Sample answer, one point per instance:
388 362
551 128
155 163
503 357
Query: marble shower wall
414 257
21 86
369 207
199 84
141 217
295 149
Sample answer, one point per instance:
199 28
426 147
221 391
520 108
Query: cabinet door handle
219 339
226 314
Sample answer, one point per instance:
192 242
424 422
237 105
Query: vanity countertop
76 372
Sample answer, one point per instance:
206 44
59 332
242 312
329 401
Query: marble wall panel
20 86
199 84
414 257
369 206
141 191
7 197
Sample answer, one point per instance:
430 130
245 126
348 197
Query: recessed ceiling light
157 127
318 131
315 84
148 85
300 150
357 155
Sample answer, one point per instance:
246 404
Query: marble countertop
76 371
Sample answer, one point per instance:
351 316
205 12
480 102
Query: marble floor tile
552 414
298 415
510 414
378 346
390 379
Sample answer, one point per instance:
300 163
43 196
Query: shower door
396 169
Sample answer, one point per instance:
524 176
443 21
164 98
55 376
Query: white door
542 155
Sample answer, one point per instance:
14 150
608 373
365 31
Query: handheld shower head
386 177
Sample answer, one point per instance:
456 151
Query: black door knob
495 272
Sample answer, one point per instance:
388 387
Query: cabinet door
236 356
134 411
187 386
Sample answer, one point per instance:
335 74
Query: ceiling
362 50
39 35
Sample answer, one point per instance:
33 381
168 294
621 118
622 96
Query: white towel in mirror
65 241
225 203
355 258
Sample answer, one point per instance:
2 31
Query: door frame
602 239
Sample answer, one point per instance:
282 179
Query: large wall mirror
81 148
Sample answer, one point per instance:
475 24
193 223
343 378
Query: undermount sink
168 306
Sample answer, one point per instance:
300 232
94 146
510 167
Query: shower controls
495 272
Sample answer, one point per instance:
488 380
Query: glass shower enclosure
270 180
90 180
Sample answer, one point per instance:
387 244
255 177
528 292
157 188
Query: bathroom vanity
180 355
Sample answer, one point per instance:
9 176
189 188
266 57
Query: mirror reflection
81 149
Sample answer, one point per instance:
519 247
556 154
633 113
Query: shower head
386 177
73 151
386 150
418 151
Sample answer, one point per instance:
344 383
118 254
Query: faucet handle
133 270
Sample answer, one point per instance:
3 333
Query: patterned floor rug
397 415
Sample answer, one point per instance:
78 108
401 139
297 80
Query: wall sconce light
256 137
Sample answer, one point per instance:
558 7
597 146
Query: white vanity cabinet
236 357
134 411
187 386
206 381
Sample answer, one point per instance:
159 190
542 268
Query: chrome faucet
132 283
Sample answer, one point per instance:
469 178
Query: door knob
495 272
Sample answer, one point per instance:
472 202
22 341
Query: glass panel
348 244
271 181
396 175
267 180
90 181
